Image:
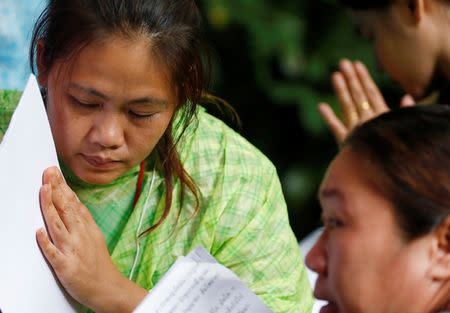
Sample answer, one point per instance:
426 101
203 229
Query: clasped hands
76 249
359 99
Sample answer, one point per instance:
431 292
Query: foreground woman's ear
441 252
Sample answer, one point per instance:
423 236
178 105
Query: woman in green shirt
150 175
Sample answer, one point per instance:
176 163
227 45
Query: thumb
407 101
336 126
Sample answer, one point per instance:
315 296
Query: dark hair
410 151
67 26
367 4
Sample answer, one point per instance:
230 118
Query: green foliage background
273 61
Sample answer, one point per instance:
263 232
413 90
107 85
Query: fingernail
359 64
345 64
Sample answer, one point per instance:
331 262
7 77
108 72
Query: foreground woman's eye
83 104
332 223
138 115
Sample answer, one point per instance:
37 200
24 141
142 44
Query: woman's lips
321 293
329 308
99 162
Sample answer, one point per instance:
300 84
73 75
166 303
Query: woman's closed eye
84 104
332 222
141 115
133 113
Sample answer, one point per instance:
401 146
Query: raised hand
359 99
76 249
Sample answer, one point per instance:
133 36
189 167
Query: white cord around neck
138 231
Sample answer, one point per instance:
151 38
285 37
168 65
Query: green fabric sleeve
260 247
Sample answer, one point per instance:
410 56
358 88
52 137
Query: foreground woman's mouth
99 162
331 307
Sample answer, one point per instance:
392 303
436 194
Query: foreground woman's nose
108 132
315 260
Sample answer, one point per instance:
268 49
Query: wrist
121 296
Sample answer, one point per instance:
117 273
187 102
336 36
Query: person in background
148 174
386 210
411 44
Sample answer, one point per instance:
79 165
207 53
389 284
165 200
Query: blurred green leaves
300 41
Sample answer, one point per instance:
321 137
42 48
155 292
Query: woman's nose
108 131
316 259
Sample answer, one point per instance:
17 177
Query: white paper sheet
26 281
197 283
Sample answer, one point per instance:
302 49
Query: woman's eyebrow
332 198
89 90
330 194
149 101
